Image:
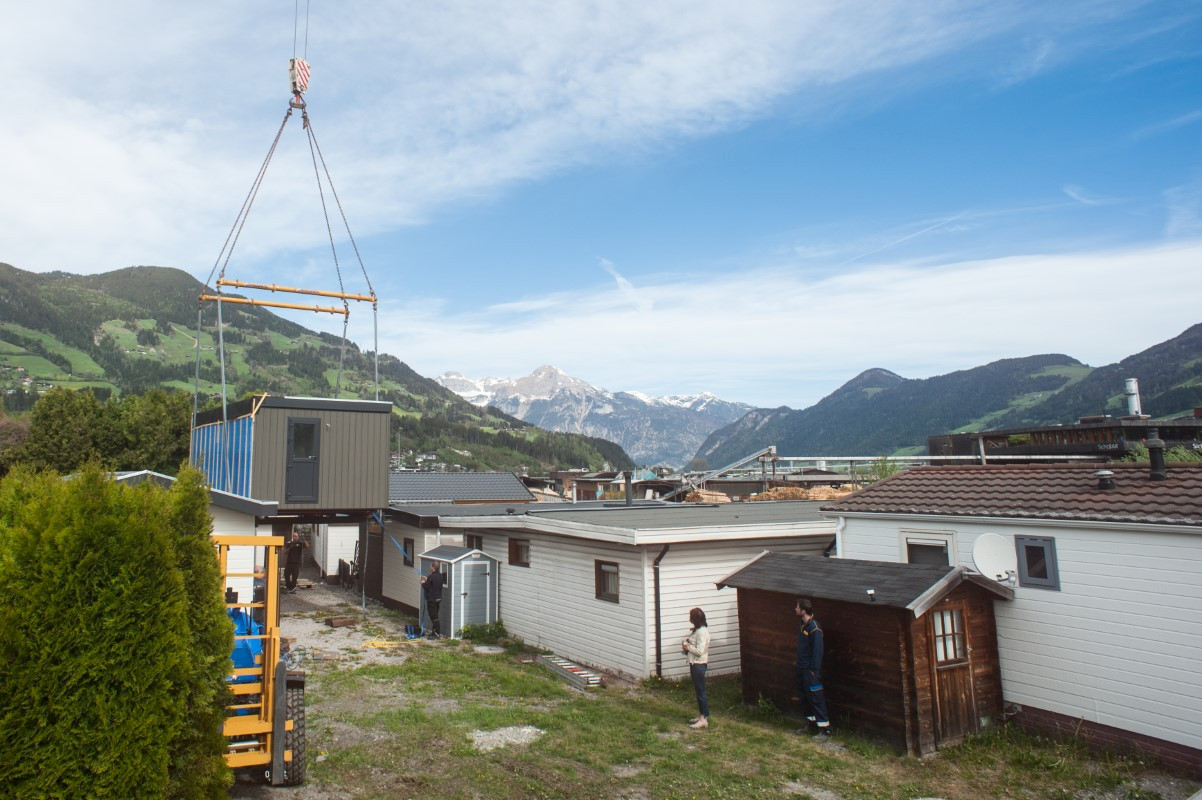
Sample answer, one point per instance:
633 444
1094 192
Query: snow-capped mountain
653 430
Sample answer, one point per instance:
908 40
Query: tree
65 430
699 465
112 635
13 432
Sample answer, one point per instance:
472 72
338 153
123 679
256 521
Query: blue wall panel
217 458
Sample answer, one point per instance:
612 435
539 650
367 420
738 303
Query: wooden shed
309 455
911 649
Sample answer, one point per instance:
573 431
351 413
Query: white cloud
775 336
133 129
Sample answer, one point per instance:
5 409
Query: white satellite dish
994 557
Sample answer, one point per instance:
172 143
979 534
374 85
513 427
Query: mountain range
653 430
134 329
879 412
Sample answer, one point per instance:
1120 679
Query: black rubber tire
294 740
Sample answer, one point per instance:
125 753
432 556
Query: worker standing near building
293 558
808 673
432 586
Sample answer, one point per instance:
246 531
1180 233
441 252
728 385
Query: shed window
606 579
407 544
949 636
1037 562
519 552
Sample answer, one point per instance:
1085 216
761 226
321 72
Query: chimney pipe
1133 397
1155 447
1105 479
629 490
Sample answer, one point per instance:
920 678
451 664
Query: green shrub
102 693
489 633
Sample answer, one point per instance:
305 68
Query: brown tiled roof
1037 491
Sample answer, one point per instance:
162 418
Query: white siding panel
688 575
401 583
1118 644
333 542
238 559
552 603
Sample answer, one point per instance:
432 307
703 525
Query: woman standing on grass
697 648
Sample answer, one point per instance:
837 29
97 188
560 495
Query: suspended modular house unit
472 591
308 455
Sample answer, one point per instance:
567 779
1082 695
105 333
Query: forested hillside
133 330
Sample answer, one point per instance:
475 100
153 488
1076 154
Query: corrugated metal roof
894 585
450 487
1037 491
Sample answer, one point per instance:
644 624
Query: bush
110 645
489 633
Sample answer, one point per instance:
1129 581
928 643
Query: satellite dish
994 557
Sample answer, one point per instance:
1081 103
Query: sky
756 199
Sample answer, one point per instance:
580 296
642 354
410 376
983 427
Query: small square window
519 552
473 541
1037 562
407 545
606 578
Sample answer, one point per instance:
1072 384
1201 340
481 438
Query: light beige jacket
697 646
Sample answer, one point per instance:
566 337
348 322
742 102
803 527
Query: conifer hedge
114 643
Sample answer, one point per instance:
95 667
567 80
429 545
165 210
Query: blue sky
758 199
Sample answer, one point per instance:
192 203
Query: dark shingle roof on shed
896 585
450 487
1037 491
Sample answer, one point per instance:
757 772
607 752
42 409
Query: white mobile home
611 586
1102 635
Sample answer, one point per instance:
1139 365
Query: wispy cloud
775 336
1191 118
1183 206
1036 57
142 124
1081 196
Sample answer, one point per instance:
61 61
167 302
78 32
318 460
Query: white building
611 586
1103 635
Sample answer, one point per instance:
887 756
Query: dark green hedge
113 640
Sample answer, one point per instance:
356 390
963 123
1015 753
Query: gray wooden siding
688 575
1118 644
353 458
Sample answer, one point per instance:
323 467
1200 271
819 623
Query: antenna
994 557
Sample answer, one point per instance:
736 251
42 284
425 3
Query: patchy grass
405 730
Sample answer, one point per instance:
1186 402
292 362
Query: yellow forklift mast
265 726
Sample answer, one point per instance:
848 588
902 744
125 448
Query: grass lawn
406 730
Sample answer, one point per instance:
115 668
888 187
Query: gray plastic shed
472 592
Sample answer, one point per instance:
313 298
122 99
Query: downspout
837 544
659 640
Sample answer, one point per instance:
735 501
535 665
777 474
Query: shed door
304 447
475 599
954 699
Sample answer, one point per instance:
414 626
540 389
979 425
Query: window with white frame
1037 562
928 547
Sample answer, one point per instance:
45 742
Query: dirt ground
317 648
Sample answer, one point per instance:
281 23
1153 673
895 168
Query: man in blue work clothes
808 673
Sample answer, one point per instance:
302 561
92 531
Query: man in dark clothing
808 673
432 586
293 552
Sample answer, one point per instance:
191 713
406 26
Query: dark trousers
697 673
813 698
291 571
432 607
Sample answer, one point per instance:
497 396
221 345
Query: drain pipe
659 639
